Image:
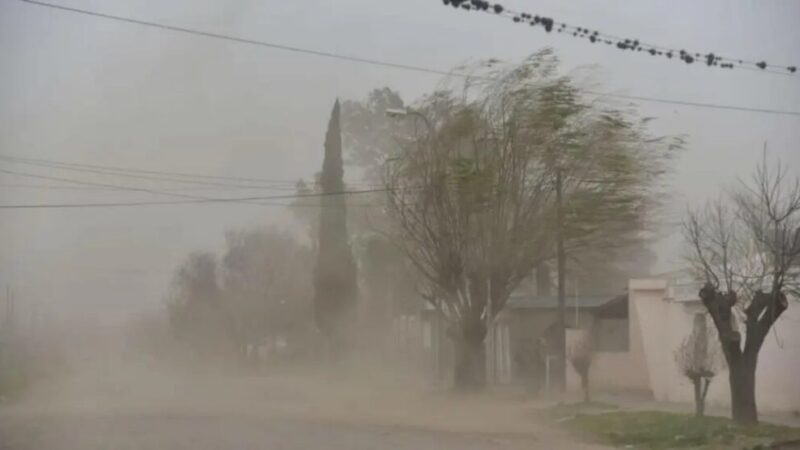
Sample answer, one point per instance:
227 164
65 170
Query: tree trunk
470 361
699 399
743 392
585 387
761 313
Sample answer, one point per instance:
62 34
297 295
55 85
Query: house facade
662 311
635 337
520 346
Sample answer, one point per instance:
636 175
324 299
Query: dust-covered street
201 432
135 407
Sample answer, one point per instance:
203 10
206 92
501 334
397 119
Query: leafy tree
267 285
746 247
473 197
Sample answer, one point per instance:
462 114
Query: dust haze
410 225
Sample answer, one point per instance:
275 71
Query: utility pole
490 358
9 319
561 363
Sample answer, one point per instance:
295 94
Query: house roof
603 305
551 301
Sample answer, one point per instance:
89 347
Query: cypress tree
335 288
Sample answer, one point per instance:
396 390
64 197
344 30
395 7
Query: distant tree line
255 297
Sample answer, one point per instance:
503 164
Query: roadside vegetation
663 430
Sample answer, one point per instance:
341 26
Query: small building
662 312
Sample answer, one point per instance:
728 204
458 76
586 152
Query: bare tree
581 355
746 247
699 360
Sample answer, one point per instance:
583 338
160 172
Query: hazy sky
89 90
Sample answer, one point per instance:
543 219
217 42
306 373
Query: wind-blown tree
370 137
335 287
473 198
266 277
699 360
746 248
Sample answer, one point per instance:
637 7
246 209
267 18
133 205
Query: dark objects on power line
395 65
711 59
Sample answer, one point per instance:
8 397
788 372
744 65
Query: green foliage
568 410
661 430
477 189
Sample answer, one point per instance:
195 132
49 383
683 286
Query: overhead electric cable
194 198
376 62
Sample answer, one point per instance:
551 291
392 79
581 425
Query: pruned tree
335 287
473 197
580 356
746 248
699 359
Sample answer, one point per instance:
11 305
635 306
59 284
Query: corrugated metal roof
534 302
527 301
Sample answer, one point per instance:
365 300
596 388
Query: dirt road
138 411
200 432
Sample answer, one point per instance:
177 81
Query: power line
95 184
123 173
238 39
168 202
695 104
376 62
127 171
53 187
211 185
188 198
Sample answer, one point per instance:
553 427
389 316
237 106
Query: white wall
665 323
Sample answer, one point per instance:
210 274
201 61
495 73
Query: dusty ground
145 408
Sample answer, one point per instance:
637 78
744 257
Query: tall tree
474 200
746 247
335 287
